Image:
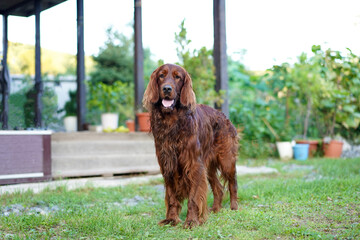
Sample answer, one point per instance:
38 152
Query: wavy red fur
192 142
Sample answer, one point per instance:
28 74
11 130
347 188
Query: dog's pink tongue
167 103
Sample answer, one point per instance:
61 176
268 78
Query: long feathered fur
192 142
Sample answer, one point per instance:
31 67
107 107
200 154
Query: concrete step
81 147
103 164
92 154
90 136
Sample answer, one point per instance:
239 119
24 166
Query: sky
260 33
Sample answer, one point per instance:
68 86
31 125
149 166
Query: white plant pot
109 120
70 124
95 128
285 150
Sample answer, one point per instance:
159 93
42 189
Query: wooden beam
80 70
220 56
4 83
38 81
139 60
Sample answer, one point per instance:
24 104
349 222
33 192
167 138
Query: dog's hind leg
216 187
228 172
227 156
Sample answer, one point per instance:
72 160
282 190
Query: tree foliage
199 64
318 96
111 85
21 60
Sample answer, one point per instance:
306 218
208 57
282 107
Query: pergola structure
27 8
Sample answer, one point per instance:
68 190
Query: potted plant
301 151
332 148
313 145
308 86
143 121
338 106
70 119
105 98
284 144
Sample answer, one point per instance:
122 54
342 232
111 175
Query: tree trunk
338 80
307 116
287 115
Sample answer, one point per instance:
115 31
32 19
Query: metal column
4 83
81 91
38 81
139 60
220 56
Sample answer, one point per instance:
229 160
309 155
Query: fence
55 95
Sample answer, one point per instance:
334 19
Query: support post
80 70
4 83
38 81
220 56
139 60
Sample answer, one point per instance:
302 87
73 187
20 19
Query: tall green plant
71 105
308 87
110 88
117 98
340 106
49 110
199 64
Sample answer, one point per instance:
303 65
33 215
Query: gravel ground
351 152
43 209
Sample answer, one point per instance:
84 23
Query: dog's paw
191 223
172 222
234 205
215 209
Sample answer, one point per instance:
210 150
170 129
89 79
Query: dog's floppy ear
187 95
151 95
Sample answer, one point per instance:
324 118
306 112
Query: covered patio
26 8
57 155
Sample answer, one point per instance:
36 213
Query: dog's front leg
197 204
195 174
173 206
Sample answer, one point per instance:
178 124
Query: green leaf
351 122
349 108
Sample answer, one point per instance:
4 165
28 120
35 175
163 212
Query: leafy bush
111 85
117 98
199 64
49 102
71 105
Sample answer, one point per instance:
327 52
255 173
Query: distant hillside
21 60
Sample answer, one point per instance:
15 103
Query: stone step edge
100 156
107 172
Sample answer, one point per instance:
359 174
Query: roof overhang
25 8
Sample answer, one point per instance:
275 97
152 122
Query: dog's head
170 86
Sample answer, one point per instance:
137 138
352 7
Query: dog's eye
161 76
177 77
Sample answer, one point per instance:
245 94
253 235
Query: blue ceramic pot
301 151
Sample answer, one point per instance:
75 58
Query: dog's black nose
167 89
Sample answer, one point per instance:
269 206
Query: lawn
315 199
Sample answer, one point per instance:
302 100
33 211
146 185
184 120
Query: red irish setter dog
192 142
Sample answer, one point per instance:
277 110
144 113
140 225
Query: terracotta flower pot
333 149
144 121
313 145
130 124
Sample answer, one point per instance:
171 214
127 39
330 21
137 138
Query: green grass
323 203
